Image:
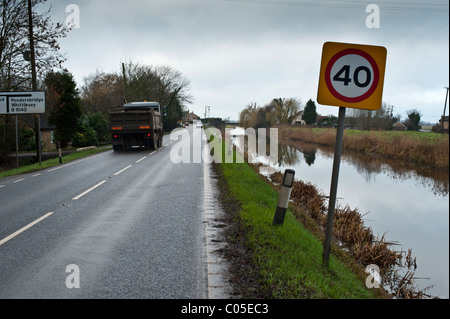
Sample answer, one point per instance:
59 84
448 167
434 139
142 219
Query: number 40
344 76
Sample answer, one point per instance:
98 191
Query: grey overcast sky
236 52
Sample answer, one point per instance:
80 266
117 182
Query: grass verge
50 163
288 259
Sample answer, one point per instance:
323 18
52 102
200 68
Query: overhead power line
356 4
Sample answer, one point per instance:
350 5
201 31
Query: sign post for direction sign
22 103
351 75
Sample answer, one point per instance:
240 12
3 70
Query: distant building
323 121
445 120
47 134
47 131
399 127
298 119
189 117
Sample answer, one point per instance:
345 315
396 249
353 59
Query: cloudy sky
236 52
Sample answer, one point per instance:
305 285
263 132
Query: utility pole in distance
124 83
37 121
445 108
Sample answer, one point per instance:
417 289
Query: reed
425 149
349 227
363 246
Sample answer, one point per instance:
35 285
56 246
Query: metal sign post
334 185
17 141
351 75
24 103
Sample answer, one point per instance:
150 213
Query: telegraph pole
37 121
445 107
207 112
124 83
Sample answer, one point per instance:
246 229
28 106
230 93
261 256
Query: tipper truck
136 124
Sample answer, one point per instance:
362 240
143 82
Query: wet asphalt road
113 225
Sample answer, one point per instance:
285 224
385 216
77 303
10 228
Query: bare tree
101 92
371 120
162 84
246 114
284 110
172 81
12 43
15 71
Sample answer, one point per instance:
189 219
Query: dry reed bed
428 149
349 229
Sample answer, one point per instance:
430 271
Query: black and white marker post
283 200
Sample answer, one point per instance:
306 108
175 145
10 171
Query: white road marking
72 163
152 153
123 170
1 186
209 214
24 229
89 190
141 159
19 180
62 166
36 175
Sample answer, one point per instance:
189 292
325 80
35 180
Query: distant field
422 148
427 127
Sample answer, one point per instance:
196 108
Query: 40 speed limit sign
352 75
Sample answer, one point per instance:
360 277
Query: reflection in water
408 204
369 167
310 157
289 155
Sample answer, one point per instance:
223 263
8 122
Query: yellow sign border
379 55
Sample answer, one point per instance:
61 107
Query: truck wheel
159 139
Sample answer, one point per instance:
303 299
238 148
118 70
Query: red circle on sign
376 76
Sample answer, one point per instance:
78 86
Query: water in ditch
409 205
